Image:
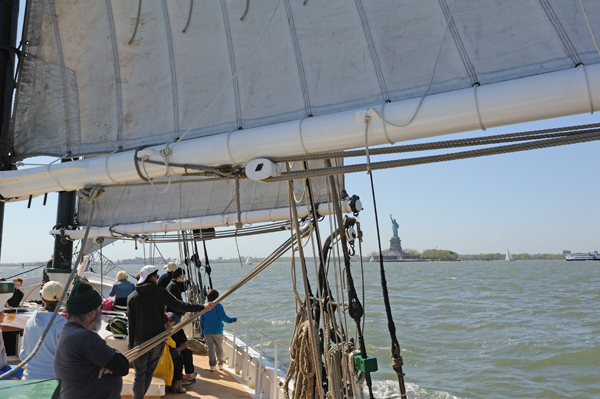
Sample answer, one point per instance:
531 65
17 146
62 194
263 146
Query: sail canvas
88 85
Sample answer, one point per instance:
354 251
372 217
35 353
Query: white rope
50 172
430 80
300 134
387 137
589 26
587 86
367 121
165 153
475 86
106 166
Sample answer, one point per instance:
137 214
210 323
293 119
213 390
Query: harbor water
525 329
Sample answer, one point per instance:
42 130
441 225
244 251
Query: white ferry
589 256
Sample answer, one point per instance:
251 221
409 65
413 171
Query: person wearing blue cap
85 364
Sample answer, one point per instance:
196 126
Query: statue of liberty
394 227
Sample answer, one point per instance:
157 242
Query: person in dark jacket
146 314
15 300
174 288
166 278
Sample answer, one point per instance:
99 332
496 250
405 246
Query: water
526 329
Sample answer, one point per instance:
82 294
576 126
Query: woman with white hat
37 368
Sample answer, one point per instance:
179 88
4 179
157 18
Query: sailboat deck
219 384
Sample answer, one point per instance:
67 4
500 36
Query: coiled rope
302 365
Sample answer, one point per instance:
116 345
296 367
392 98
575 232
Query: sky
541 201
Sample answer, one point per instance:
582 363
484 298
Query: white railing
264 376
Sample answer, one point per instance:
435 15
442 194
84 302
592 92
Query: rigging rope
554 137
139 350
355 309
312 335
395 346
591 135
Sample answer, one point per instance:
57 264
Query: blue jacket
122 289
40 366
212 322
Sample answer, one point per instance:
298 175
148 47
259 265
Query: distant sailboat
248 261
509 257
372 259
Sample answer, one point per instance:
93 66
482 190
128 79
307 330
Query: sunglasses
171 320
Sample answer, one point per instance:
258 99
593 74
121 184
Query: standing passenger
174 288
37 367
165 279
146 313
211 324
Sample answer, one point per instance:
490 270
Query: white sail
183 202
87 87
509 257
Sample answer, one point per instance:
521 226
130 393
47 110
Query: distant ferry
589 256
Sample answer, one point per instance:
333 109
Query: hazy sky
536 201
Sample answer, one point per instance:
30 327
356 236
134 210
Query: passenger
85 364
181 343
174 288
211 324
45 277
145 310
165 279
121 290
176 385
37 368
4 366
15 300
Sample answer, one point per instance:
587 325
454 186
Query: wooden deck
218 384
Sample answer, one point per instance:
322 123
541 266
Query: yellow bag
165 368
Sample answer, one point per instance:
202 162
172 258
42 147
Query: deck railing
264 376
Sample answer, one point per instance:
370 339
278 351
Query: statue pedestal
395 246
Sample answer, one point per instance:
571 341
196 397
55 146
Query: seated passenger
15 300
121 290
181 343
38 367
176 385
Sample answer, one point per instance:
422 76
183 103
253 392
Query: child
212 329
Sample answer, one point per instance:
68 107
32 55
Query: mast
9 14
65 219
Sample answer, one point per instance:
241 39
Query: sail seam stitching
173 70
235 84
118 88
589 27
63 74
299 63
470 69
560 31
372 50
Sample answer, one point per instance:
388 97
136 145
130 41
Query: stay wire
395 346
